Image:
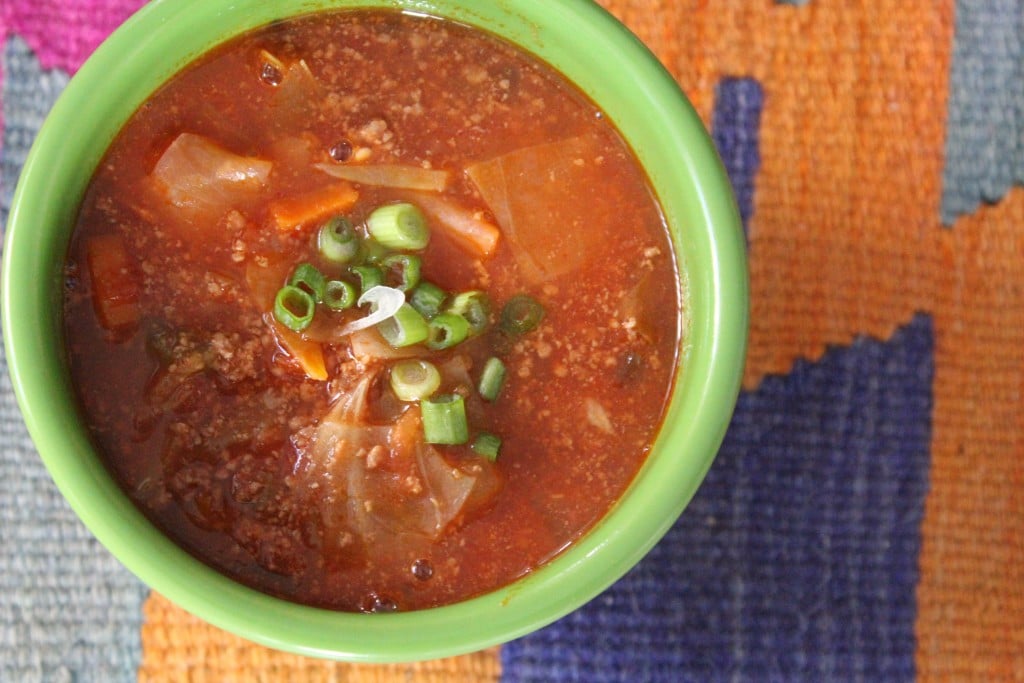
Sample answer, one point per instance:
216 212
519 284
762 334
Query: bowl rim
684 170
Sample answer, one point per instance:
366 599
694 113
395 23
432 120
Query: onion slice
391 175
384 303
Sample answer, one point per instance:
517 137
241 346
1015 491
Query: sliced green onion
521 314
307 277
339 295
405 328
475 307
447 330
487 445
492 379
399 226
402 271
294 308
369 277
444 420
414 380
337 240
428 299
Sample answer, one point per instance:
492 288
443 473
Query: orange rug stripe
970 623
179 648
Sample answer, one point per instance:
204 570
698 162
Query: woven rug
864 520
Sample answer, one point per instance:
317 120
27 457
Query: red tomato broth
202 413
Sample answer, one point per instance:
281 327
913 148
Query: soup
371 311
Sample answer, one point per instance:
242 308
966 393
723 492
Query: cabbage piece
298 97
551 232
264 277
381 485
292 155
199 176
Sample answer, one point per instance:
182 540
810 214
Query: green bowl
587 45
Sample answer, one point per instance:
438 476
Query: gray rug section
28 94
985 130
68 610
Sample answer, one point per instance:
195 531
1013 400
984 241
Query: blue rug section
797 559
68 610
985 125
736 129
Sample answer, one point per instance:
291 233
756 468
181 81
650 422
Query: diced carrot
292 213
308 354
116 284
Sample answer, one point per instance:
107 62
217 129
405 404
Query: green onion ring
521 314
402 271
447 330
399 226
306 276
337 240
294 308
339 295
